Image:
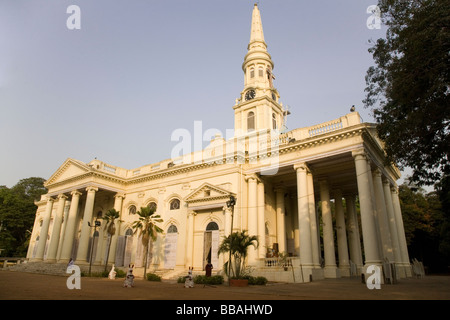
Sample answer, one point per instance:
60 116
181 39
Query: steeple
256 33
257 54
258 107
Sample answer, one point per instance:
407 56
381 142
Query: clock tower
258 107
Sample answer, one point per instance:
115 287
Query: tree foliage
408 88
17 214
427 226
147 228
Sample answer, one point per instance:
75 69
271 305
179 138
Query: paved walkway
27 286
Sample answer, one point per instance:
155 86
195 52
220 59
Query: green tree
110 218
408 88
147 228
237 243
17 214
426 227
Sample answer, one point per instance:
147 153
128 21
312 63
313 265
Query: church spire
257 55
258 107
256 33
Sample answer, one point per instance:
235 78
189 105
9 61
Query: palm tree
237 243
110 227
148 229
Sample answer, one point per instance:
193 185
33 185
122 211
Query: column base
331 272
344 271
50 260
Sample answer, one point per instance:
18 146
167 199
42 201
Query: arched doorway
211 245
170 247
124 249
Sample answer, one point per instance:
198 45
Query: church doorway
170 247
211 245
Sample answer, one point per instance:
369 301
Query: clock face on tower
250 94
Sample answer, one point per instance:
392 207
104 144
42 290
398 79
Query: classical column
353 233
190 239
313 221
391 221
69 234
57 222
43 234
330 270
368 226
281 229
401 232
306 259
252 218
118 201
227 227
341 232
82 255
385 234
261 221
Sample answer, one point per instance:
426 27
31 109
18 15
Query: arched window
260 72
252 73
212 226
274 121
251 121
175 204
152 205
132 210
129 232
172 229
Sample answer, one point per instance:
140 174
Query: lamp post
96 224
230 204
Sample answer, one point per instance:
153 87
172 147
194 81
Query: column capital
62 196
50 199
251 177
302 166
119 195
76 193
376 172
91 189
192 213
359 153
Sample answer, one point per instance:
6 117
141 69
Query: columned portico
401 232
344 264
281 228
369 232
57 222
252 217
118 202
306 256
354 238
330 270
44 230
70 228
82 255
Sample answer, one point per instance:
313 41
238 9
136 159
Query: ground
29 286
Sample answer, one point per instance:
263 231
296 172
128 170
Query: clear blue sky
138 69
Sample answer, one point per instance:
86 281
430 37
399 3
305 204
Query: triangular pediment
69 169
208 192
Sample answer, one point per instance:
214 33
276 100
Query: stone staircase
58 269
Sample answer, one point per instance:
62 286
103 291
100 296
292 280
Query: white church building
322 194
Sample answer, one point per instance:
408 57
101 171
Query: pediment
207 193
69 169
